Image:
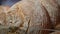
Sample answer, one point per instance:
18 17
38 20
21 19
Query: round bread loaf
32 16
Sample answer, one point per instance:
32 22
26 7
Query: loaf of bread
32 16
2 16
3 23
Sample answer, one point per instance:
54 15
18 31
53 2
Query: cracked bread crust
34 15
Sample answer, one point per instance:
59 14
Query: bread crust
34 15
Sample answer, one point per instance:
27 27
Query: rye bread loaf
30 16
3 23
2 15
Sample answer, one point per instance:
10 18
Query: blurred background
8 2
